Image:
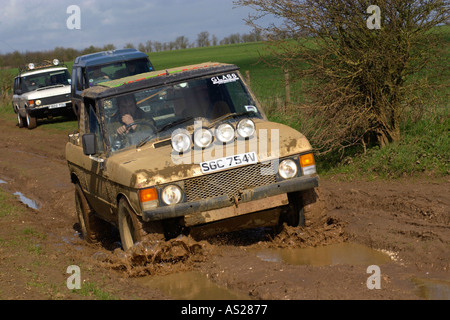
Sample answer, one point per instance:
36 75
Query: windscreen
163 109
45 79
117 70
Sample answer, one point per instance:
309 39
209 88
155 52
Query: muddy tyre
92 228
295 215
133 230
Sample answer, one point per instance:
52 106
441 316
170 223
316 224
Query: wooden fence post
287 87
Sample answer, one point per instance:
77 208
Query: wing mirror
89 142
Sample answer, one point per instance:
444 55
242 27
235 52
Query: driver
128 113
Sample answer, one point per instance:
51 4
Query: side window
74 79
79 79
22 85
94 126
240 97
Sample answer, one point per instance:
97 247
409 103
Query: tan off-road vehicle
184 150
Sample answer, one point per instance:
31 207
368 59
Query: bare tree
359 78
181 42
214 40
129 45
203 39
158 46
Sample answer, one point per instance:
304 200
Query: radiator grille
229 182
55 99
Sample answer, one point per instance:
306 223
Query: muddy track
407 220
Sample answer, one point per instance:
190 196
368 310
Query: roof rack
41 65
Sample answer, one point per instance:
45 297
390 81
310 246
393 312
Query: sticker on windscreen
226 78
251 109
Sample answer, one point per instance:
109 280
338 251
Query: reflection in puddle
432 289
30 203
191 286
2 181
343 253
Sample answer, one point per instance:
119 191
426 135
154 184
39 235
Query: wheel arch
121 196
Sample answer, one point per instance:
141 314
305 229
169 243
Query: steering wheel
119 141
139 122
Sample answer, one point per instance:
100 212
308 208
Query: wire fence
278 92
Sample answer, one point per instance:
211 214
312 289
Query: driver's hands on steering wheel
126 119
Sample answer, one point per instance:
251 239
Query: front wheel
31 121
295 215
92 228
133 230
20 120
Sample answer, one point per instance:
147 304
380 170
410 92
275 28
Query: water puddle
191 286
30 203
432 289
342 253
27 201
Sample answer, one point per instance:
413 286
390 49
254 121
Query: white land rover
41 91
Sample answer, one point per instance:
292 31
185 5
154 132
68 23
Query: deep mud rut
408 220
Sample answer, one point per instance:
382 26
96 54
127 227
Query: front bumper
44 111
186 208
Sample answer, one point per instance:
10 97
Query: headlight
38 102
225 133
171 195
202 137
181 142
287 169
246 128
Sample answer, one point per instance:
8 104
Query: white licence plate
56 105
229 162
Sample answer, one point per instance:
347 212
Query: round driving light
225 133
38 102
180 141
55 62
287 169
246 128
203 138
171 195
31 66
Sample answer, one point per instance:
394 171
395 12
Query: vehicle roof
33 72
156 78
104 57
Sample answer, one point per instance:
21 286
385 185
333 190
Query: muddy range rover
184 150
41 90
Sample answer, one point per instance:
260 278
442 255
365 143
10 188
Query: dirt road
405 221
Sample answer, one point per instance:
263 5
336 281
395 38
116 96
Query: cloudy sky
35 25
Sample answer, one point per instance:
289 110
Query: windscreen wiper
145 140
229 115
175 123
